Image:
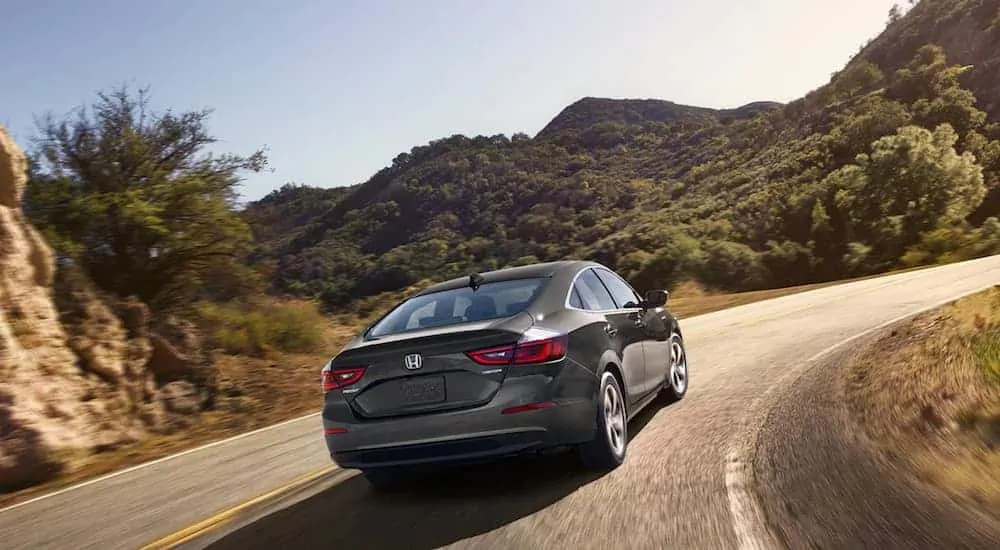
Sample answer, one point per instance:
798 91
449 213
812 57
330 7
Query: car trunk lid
427 370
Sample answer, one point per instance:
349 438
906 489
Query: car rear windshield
461 305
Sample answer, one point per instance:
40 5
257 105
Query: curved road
759 408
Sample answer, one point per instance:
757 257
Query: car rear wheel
607 450
677 375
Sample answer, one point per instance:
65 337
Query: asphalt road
753 407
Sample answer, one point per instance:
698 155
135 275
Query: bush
256 328
986 349
732 265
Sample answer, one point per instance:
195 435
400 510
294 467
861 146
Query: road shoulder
928 395
823 482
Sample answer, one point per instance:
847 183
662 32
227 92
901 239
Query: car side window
623 294
593 293
574 298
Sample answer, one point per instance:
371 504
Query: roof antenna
475 281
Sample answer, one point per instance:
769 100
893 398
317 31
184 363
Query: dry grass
929 395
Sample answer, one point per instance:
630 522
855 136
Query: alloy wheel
614 419
678 366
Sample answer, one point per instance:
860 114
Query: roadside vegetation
929 396
893 164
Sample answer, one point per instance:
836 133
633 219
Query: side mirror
655 298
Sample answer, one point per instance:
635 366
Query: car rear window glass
461 305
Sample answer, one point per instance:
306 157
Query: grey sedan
519 360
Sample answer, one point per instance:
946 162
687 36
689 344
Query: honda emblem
413 361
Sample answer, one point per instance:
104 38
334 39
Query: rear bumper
461 436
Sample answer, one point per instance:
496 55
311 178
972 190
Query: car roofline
531 271
497 275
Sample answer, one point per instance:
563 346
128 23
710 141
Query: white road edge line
155 462
752 532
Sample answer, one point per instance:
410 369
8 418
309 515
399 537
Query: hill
893 162
965 29
289 210
590 112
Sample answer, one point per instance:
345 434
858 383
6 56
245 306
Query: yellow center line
200 528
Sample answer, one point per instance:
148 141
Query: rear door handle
610 329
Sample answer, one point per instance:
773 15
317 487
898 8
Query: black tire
673 391
604 452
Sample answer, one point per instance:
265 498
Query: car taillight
335 379
502 355
536 346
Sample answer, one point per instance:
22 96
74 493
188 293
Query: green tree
135 197
679 256
934 91
732 265
858 78
911 183
857 127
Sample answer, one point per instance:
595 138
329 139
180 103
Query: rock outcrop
78 369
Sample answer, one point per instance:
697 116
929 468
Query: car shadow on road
435 512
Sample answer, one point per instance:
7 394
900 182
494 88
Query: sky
334 89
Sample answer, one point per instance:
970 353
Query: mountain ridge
738 198
590 111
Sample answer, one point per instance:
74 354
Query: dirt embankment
80 373
929 396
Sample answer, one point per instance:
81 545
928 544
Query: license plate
422 391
